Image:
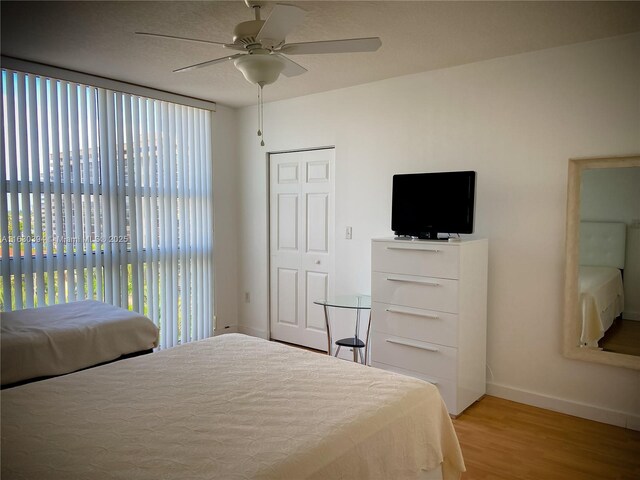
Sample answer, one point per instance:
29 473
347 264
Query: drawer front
425 325
439 294
421 357
429 259
447 388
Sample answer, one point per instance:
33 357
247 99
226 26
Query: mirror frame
572 323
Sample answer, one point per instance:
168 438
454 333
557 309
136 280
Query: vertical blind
107 196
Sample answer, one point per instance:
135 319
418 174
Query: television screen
425 204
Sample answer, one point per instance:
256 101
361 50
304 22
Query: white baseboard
590 412
223 330
631 315
254 332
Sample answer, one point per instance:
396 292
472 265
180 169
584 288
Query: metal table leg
326 320
366 342
356 350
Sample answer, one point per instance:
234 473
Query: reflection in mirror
602 304
609 273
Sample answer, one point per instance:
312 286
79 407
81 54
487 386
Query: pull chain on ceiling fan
263 44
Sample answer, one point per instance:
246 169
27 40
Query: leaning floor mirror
602 279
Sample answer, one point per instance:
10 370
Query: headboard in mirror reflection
602 244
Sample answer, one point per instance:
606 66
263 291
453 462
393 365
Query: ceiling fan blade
172 37
236 46
370 44
291 68
282 21
209 62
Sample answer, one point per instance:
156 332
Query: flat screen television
425 204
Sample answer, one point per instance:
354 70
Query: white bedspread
229 407
38 342
602 300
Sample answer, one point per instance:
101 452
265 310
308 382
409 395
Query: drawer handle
416 314
416 280
414 345
432 250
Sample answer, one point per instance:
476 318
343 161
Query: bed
602 256
59 339
228 407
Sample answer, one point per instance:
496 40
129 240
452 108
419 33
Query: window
106 195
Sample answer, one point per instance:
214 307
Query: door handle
413 280
416 314
317 262
411 344
432 250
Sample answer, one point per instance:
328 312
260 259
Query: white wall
225 218
516 121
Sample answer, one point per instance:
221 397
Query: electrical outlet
348 233
247 297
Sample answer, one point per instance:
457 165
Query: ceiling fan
263 44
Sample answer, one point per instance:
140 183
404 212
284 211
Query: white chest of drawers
429 314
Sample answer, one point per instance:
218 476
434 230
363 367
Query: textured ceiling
98 38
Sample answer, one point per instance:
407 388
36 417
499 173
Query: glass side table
357 303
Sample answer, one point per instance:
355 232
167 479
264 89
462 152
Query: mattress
229 407
48 341
601 299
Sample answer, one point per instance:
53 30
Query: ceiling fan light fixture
260 69
263 42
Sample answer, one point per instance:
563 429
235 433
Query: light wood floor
507 440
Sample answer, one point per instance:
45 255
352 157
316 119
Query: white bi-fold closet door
301 207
